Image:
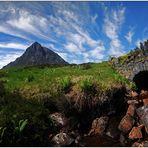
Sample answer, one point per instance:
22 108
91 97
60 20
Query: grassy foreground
35 80
25 121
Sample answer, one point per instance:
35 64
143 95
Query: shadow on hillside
23 122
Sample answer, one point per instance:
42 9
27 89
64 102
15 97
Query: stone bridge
134 69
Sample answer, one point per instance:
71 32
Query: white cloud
66 27
129 36
4 60
112 24
97 53
32 24
71 47
14 32
13 46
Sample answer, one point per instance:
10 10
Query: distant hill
37 55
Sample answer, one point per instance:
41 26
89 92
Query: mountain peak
36 54
35 45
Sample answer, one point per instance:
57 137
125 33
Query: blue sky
78 31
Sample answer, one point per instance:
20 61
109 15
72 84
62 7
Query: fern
22 124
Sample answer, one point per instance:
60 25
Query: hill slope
41 79
37 55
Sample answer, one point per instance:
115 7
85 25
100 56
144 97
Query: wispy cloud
112 24
67 26
94 18
129 36
13 46
78 31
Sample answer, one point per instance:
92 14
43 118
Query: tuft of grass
65 84
86 84
30 78
86 66
3 74
124 58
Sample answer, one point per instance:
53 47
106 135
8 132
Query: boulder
132 102
112 129
135 133
98 125
136 144
62 139
132 94
144 144
145 101
122 139
126 123
141 110
143 115
59 119
143 94
131 109
141 144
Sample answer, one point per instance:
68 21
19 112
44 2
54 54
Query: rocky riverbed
129 129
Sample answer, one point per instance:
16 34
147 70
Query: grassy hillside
35 80
29 95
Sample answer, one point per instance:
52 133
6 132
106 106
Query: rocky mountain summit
37 55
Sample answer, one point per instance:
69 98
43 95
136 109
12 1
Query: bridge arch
137 68
139 75
141 80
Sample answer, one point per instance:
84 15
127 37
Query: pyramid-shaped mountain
37 55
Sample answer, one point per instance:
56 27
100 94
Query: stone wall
132 66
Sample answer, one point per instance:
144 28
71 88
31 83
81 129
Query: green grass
35 80
86 84
25 121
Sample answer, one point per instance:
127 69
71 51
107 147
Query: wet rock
136 144
126 123
143 94
131 109
140 144
59 119
62 139
112 129
132 102
141 110
143 115
74 133
77 136
145 101
122 139
135 133
144 144
132 94
79 142
98 125
145 122
141 126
